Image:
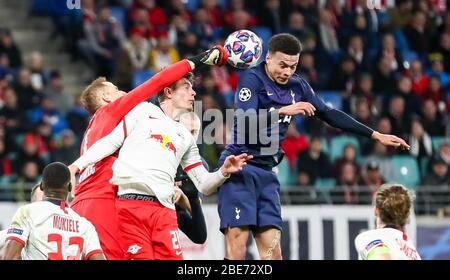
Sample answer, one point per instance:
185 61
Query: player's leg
268 243
133 229
102 214
268 232
165 235
236 242
237 211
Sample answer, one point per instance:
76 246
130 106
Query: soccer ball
244 49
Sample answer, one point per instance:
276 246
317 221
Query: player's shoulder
298 80
143 107
31 210
365 238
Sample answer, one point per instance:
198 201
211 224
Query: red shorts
102 214
148 230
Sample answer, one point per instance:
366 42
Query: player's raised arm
341 120
208 182
120 107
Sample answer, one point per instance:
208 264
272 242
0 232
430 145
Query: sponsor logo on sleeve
374 244
15 231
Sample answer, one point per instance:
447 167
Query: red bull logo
164 142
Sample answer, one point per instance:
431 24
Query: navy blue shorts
250 198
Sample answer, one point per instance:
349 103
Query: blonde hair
90 96
394 202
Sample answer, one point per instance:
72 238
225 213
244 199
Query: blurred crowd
387 67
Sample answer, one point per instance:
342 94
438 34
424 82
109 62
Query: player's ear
167 92
267 56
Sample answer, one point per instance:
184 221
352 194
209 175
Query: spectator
356 51
27 96
444 49
214 13
307 69
177 8
418 78
309 10
363 90
433 121
78 118
237 5
132 57
202 28
270 16
297 26
8 47
29 175
439 175
412 100
384 77
327 31
348 182
437 69
417 35
420 141
29 152
348 157
372 179
390 51
363 115
67 152
38 75
314 161
397 117
177 29
12 118
189 45
381 155
155 16
444 151
241 20
55 91
49 114
6 166
435 92
344 78
432 185
140 21
104 36
163 55
293 144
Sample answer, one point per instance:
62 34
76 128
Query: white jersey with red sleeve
391 240
152 146
49 230
94 179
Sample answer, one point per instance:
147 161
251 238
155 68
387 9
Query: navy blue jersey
256 91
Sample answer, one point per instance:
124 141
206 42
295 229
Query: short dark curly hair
285 43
